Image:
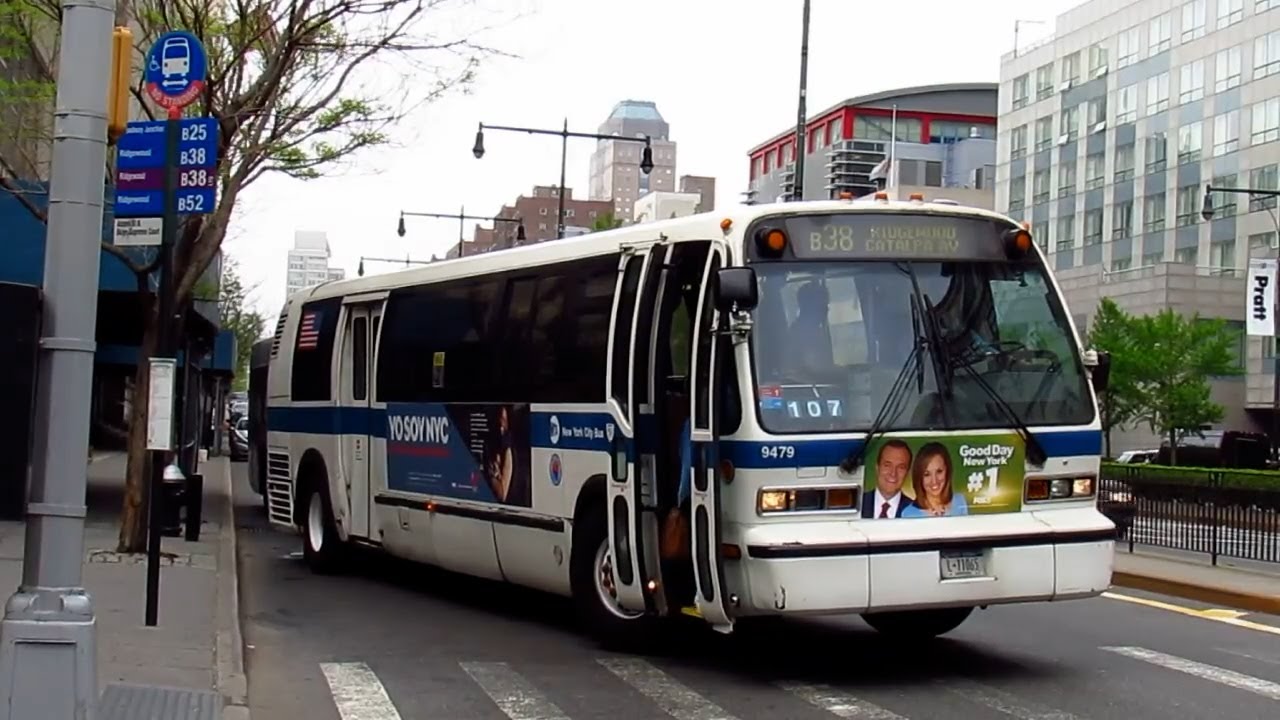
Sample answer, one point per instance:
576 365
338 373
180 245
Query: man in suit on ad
893 466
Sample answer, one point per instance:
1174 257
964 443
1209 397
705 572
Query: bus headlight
1039 489
772 501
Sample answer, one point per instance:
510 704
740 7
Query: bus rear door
705 500
356 417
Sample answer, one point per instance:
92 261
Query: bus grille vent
275 342
279 489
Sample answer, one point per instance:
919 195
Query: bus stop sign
176 70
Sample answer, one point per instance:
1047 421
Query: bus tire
611 625
918 624
321 546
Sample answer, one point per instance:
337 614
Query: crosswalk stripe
1219 675
357 692
837 703
1002 701
674 697
514 695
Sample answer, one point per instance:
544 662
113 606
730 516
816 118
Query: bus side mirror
736 287
1102 371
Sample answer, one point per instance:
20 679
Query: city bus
861 406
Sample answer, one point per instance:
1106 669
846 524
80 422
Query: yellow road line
1230 617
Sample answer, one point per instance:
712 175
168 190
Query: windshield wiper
894 400
1035 452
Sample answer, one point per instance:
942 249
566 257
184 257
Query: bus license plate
956 565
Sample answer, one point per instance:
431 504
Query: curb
229 643
1203 593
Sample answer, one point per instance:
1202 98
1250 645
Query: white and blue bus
868 406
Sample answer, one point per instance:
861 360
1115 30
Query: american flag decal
309 332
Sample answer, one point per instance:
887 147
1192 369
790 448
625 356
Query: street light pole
646 155
797 190
1207 213
406 261
462 217
47 655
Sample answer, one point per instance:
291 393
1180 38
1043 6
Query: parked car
239 440
1116 501
1138 457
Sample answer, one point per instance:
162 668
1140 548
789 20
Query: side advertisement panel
470 452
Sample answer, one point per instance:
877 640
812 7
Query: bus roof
694 227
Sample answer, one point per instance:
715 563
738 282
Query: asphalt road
401 642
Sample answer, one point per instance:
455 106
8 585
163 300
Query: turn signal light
771 241
1060 488
1017 242
811 499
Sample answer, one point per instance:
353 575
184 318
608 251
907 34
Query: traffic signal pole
48 666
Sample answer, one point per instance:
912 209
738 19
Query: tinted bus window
313 350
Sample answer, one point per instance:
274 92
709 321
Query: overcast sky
722 72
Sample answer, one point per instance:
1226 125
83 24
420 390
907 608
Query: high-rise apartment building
309 261
945 138
615 165
1119 121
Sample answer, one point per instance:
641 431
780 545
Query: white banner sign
1260 305
138 231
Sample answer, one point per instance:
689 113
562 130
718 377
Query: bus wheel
918 624
591 568
322 548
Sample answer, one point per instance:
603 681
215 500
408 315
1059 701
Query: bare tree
298 87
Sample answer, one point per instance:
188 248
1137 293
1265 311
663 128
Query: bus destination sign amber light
888 237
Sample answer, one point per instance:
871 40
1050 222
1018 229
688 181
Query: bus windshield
831 337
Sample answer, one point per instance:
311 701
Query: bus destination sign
894 236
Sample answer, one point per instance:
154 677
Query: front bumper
852 566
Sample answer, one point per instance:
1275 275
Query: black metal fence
1221 513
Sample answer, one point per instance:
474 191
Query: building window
1191 82
1266 55
1261 6
1093 227
1097 114
1044 81
1067 179
1188 205
1040 232
1127 47
1159 34
1262 241
1226 68
1127 105
1226 133
867 127
1193 20
1153 208
1230 12
1222 254
1122 220
1018 193
1044 133
1121 264
1095 171
1190 142
1153 258
1040 186
1186 256
1224 204
1097 60
1018 142
1265 127
1070 70
1071 123
1066 232
1124 162
1264 178
1158 93
1157 153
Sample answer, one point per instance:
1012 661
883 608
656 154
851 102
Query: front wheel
321 546
918 624
594 595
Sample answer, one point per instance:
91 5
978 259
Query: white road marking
675 698
1230 678
1214 614
838 703
358 693
511 692
1002 701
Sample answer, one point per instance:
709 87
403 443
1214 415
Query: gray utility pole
48 666
797 186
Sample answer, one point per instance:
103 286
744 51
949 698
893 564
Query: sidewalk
191 665
1255 587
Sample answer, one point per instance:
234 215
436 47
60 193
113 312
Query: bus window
622 332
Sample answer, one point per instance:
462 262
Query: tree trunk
1173 446
1106 425
133 516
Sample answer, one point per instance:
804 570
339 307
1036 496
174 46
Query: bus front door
632 507
357 399
705 496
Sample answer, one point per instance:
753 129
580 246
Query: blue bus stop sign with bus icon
176 70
